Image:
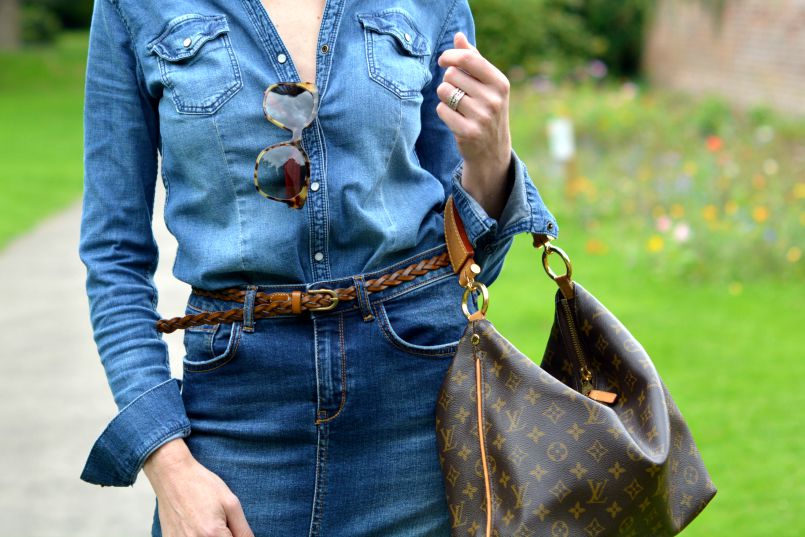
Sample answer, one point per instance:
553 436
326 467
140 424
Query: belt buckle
333 296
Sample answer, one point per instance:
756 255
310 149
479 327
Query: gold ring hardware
549 249
332 294
474 286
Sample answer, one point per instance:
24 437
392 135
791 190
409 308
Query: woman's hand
480 123
192 501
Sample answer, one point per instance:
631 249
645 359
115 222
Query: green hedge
560 38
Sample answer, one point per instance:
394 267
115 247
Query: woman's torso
376 193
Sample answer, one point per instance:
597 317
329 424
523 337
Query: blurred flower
769 235
764 134
677 211
730 207
714 143
793 254
770 166
759 181
542 84
682 232
597 69
710 212
595 246
663 224
655 243
760 214
799 191
735 288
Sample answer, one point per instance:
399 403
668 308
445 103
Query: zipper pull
586 380
597 395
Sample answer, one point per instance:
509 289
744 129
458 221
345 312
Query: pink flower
663 223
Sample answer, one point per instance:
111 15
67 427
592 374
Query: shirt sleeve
438 152
117 247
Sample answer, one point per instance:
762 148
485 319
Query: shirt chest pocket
197 63
397 53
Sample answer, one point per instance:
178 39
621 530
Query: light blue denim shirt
185 80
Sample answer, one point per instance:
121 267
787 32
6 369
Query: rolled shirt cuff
524 212
149 421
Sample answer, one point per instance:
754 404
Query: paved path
54 399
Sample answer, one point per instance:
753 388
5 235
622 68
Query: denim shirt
185 80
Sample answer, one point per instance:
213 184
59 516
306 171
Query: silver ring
455 97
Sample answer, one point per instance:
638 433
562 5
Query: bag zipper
587 386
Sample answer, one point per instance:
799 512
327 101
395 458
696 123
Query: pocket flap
398 24
186 34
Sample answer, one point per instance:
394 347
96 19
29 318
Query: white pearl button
318 256
314 186
407 37
187 42
282 58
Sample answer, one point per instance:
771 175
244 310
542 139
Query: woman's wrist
171 453
490 184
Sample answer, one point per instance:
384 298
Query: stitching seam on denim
343 373
228 356
322 438
392 337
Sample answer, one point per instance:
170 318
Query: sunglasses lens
282 171
290 104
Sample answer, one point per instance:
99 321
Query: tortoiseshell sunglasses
282 170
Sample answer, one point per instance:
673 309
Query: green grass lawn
41 103
730 352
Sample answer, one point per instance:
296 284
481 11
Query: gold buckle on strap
333 296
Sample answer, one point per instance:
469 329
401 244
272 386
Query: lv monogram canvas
589 443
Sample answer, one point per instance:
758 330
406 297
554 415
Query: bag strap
458 244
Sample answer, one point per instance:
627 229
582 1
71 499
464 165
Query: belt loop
363 297
248 308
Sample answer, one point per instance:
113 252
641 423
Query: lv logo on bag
588 443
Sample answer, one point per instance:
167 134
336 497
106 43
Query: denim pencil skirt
323 423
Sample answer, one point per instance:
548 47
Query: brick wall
751 52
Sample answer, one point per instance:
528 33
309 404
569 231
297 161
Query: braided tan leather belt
459 254
270 304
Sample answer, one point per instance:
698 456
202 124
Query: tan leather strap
296 301
458 244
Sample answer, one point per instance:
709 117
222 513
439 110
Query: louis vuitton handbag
589 443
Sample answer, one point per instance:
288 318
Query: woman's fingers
471 62
468 83
236 519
